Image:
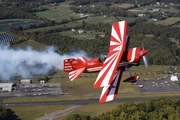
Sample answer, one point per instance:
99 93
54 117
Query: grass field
109 20
169 21
30 43
80 36
34 112
57 13
125 5
81 89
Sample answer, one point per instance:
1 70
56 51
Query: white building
25 81
6 86
174 78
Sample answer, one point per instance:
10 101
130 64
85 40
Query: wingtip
96 85
105 101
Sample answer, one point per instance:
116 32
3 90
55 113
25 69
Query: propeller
144 52
145 61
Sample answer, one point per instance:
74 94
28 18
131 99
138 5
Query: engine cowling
131 79
135 54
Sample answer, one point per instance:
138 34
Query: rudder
68 65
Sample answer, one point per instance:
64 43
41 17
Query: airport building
25 81
174 78
6 86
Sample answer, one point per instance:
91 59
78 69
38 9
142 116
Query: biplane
110 65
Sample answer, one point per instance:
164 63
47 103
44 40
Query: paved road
84 102
78 103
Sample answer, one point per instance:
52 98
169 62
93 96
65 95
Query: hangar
6 86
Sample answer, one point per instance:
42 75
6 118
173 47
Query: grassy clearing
100 19
30 43
70 24
57 13
169 21
126 5
81 36
109 20
169 10
127 19
34 112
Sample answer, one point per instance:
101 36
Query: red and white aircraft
109 65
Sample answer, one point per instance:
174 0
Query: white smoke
29 62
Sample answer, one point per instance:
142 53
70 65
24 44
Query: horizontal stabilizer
76 73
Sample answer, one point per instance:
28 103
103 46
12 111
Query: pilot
102 58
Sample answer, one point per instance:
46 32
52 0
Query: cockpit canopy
102 57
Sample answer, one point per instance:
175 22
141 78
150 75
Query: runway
83 102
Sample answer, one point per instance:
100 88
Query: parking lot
162 85
38 90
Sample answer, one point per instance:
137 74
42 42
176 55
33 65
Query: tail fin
75 67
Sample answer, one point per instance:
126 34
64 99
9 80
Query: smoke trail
28 62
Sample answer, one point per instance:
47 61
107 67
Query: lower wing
109 92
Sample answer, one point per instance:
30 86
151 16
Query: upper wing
116 50
110 92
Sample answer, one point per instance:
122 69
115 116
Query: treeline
156 39
103 10
141 2
3 113
157 109
41 2
23 8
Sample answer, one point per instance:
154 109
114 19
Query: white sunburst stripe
114 43
115 35
111 95
122 25
72 72
115 83
101 73
117 77
73 75
82 59
110 57
118 48
109 74
110 67
112 91
133 55
105 88
94 69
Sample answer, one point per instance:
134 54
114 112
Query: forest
156 109
162 51
156 38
